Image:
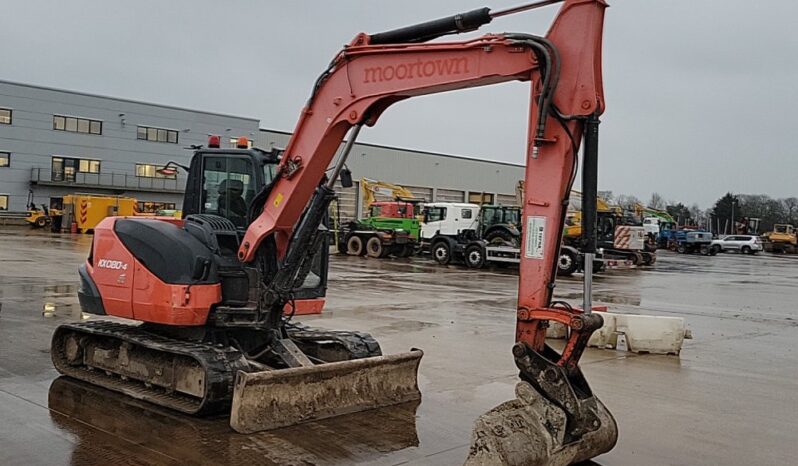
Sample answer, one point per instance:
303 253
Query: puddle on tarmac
360 437
60 291
605 297
617 299
403 326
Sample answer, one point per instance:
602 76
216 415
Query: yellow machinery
87 210
372 187
783 238
40 218
573 218
616 239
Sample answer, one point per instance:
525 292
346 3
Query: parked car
746 244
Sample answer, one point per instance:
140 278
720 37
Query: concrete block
556 330
652 334
605 336
643 334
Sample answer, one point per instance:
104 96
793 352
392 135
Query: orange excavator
211 289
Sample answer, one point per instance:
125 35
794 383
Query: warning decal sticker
535 234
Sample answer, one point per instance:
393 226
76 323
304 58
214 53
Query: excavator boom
202 288
564 71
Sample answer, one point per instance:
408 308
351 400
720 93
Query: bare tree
657 201
791 209
696 214
626 201
607 196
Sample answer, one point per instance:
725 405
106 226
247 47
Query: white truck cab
448 219
651 224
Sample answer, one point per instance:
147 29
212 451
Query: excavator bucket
554 420
279 398
530 431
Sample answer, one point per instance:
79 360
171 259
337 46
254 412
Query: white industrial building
428 175
55 142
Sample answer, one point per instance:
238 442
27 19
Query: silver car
745 244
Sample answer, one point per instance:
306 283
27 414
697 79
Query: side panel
158 302
131 291
112 270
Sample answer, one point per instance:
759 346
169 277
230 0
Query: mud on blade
272 399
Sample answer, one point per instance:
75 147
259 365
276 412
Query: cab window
512 216
228 187
465 213
489 216
269 170
434 214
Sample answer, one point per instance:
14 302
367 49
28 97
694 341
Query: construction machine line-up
391 227
783 239
211 292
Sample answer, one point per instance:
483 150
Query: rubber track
220 364
360 345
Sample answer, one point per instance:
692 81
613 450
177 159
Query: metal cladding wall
32 141
449 195
433 176
507 199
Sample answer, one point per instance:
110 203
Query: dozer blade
279 398
531 431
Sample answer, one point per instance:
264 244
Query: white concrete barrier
643 334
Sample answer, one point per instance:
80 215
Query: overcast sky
700 94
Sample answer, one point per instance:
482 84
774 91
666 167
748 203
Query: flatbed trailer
478 254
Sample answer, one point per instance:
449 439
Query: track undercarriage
198 376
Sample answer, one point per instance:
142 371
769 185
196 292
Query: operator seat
231 203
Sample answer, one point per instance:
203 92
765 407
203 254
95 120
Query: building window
146 207
5 116
5 159
3 201
64 168
148 133
480 198
89 166
77 125
146 170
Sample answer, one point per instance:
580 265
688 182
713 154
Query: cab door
732 242
434 219
228 187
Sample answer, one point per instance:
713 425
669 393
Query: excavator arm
566 98
364 79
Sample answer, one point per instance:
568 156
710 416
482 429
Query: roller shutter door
506 199
421 193
449 195
347 201
481 198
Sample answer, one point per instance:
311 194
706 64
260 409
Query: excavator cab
225 182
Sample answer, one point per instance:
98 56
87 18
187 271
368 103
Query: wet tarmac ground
731 397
